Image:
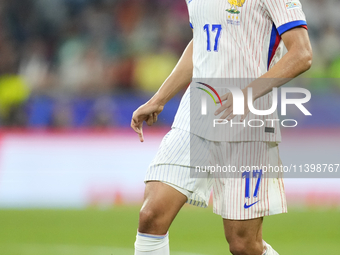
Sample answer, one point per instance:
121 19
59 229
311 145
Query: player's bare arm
297 61
177 80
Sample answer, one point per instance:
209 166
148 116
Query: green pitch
195 231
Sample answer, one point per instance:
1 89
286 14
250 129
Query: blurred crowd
90 63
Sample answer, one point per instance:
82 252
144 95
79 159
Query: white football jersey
238 39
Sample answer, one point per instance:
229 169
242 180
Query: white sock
151 244
268 250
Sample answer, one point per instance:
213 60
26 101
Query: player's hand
147 112
227 108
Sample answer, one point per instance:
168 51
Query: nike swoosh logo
247 206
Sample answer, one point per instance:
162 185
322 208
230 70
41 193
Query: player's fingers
134 126
135 116
243 117
140 132
149 121
219 110
135 120
222 108
226 114
138 128
225 97
230 117
155 117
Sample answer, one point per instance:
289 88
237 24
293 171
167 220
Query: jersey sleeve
190 22
286 14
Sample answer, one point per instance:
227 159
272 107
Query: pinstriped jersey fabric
238 39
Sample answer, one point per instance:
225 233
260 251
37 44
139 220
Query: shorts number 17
256 174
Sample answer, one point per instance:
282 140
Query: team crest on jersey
234 11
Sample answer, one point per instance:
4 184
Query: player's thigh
161 205
245 232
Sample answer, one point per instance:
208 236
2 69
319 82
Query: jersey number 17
217 29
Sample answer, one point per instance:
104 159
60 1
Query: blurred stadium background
71 171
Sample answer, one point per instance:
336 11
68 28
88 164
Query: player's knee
146 220
237 248
241 246
149 221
